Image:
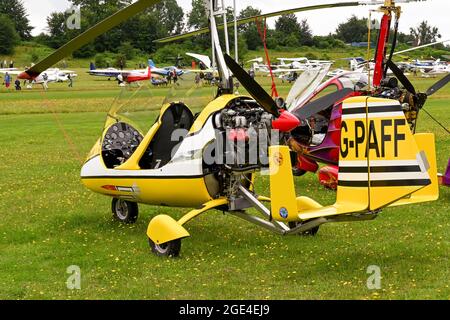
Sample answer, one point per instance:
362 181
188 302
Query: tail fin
151 63
149 74
92 66
381 162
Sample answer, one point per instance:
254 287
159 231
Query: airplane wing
12 72
258 60
293 59
198 71
284 70
204 59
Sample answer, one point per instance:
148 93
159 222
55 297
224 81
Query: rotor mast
226 85
388 9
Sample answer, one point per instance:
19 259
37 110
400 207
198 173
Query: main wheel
310 232
298 172
168 249
124 211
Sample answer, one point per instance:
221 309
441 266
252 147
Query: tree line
136 36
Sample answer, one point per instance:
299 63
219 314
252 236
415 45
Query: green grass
49 222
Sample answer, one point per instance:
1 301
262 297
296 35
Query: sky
322 22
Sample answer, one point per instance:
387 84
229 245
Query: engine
244 130
243 135
411 104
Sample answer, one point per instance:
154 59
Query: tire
298 172
169 249
124 211
311 232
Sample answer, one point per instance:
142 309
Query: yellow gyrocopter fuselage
381 164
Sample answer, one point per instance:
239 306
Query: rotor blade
420 47
438 85
263 16
321 104
255 90
88 36
401 77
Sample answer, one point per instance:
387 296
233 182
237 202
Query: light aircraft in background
299 63
205 61
128 76
4 70
52 75
207 71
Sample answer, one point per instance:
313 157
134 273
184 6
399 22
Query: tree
354 30
56 26
424 34
288 30
16 11
139 32
249 30
198 17
287 24
8 35
170 15
305 34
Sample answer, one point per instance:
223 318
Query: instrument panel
119 143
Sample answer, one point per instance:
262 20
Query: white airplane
52 75
302 62
2 70
205 61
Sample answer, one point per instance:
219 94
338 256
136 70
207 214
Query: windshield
306 83
350 80
140 106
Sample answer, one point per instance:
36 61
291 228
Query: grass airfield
50 221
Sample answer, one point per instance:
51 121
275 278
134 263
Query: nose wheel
124 211
168 249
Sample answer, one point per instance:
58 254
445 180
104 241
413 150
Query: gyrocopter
216 156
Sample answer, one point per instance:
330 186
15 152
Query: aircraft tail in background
92 66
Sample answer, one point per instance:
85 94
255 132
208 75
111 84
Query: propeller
87 37
409 86
401 77
438 85
420 98
255 90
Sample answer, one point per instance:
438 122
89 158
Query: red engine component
238 135
328 177
286 122
306 165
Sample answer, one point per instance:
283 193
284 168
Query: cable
435 120
263 35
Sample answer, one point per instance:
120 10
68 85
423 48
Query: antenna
236 44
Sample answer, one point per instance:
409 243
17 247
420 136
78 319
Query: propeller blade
87 37
401 77
255 90
438 85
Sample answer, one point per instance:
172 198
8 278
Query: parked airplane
48 76
140 75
